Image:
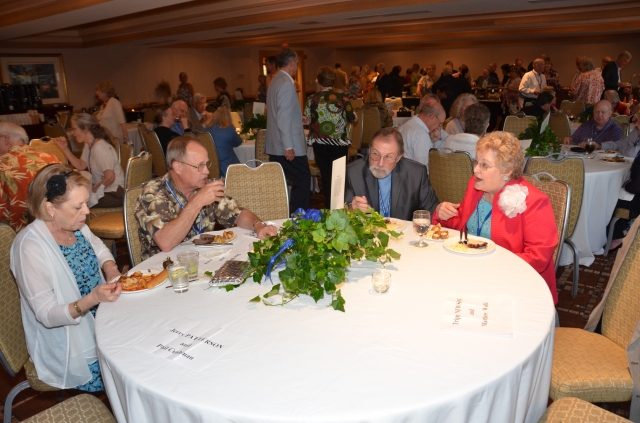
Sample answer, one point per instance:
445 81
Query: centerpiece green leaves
324 243
543 143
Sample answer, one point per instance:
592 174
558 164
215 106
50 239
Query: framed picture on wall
45 70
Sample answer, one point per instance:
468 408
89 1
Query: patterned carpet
573 312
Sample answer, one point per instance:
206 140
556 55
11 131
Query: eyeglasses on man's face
388 159
201 168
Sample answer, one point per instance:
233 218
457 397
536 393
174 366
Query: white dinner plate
399 225
626 159
146 289
451 245
602 154
213 244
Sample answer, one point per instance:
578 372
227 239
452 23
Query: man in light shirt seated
179 110
423 132
476 122
629 146
600 129
198 115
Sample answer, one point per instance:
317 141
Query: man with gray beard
390 184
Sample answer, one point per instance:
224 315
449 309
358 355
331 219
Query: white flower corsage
513 200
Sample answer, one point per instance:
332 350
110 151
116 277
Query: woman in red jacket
499 204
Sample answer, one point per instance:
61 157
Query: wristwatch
75 305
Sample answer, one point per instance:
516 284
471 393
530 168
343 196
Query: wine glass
421 223
590 146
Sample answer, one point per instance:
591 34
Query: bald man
600 129
423 132
532 83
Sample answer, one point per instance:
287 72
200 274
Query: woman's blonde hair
106 87
222 116
373 96
37 194
509 154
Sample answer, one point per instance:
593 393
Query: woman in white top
98 157
57 264
456 114
111 115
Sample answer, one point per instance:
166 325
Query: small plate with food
395 224
214 240
436 233
140 282
606 153
613 159
475 246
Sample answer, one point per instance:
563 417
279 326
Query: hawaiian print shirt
330 113
17 169
156 207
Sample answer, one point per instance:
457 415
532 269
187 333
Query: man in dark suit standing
285 141
611 75
390 184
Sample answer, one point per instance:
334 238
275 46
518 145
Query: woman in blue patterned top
328 113
57 263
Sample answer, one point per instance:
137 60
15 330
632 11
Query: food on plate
608 152
207 239
616 159
436 232
477 244
391 224
138 281
167 263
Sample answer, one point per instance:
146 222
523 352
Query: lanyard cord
89 158
601 132
196 230
478 227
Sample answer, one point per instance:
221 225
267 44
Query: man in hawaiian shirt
182 204
19 164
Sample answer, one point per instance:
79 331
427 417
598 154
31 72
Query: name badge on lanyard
197 230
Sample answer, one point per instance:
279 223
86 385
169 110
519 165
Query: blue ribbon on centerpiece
286 245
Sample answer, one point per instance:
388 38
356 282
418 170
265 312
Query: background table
602 182
384 360
246 151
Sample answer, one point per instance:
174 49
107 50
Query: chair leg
610 235
576 268
9 401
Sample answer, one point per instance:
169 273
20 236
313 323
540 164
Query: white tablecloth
384 360
397 121
246 151
574 126
602 182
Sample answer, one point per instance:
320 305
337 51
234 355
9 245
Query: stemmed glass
421 223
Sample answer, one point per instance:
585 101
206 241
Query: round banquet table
385 359
246 151
602 182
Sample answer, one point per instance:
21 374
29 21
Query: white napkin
94 197
624 195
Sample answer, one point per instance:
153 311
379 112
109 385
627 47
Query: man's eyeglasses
200 168
389 158
483 166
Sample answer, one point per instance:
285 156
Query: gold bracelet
107 262
75 305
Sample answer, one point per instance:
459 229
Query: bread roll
157 279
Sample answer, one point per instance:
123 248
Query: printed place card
189 343
478 313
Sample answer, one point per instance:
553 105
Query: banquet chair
370 124
571 171
518 124
560 125
132 225
623 122
575 108
357 103
574 410
152 143
13 345
207 142
449 174
262 189
592 366
83 408
142 129
50 147
261 137
125 155
148 115
64 118
635 80
355 131
559 194
110 226
115 142
56 130
619 213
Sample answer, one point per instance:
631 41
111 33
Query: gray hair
177 148
427 97
456 107
476 118
612 94
625 54
88 122
14 132
428 109
285 57
197 97
448 70
588 64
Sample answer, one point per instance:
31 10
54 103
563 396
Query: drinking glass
590 146
189 259
421 223
381 281
179 277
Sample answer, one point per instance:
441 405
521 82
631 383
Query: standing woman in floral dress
328 114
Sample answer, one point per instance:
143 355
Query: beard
379 172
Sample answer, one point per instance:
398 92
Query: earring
504 178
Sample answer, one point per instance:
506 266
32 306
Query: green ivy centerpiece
542 143
253 123
316 247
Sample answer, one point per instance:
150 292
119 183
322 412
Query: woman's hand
61 142
446 211
107 292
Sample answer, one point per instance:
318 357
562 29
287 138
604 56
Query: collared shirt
588 87
178 128
18 167
531 81
417 141
610 132
156 207
384 192
629 146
